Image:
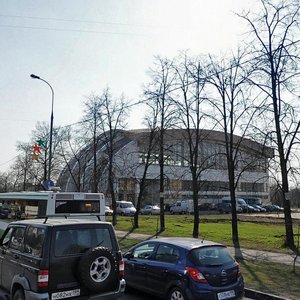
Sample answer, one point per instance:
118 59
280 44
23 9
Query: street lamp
51 121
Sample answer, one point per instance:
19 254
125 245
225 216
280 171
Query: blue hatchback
184 269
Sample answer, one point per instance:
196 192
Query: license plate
226 295
65 294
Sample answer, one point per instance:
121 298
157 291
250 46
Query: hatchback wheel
176 294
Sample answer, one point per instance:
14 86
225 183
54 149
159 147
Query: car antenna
202 240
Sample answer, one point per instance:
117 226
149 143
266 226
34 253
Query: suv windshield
210 256
76 241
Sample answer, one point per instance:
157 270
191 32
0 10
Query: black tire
176 294
18 295
97 269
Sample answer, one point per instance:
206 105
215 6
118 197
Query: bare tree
147 149
157 93
189 100
275 47
75 153
26 172
112 114
6 182
41 134
92 129
232 114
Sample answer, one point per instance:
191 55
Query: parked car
108 211
125 208
4 213
183 268
150 210
273 208
206 206
251 209
225 207
58 258
279 208
260 208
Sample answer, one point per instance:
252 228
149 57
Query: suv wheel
97 269
176 294
18 295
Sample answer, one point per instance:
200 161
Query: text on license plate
226 295
65 294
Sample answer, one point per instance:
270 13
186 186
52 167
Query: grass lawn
271 278
260 236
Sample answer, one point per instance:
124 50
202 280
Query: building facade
133 151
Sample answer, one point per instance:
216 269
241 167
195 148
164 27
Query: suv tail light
121 268
195 274
43 278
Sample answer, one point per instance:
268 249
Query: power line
75 20
2 164
72 30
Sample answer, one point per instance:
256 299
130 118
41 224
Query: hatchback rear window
74 241
210 256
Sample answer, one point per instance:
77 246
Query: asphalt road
132 295
136 295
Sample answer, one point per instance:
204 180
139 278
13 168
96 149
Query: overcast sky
82 46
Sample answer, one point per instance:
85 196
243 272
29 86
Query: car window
7 237
17 238
210 256
144 251
167 253
74 241
34 240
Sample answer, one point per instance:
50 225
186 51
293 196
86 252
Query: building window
252 187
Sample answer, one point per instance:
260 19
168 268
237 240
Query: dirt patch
254 218
272 219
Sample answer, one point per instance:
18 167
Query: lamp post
51 121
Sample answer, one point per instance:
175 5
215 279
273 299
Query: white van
125 208
182 207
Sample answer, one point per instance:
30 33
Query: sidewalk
238 253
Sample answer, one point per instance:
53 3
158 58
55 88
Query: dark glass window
144 251
210 256
68 242
17 239
167 253
34 240
77 206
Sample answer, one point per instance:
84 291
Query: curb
253 294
